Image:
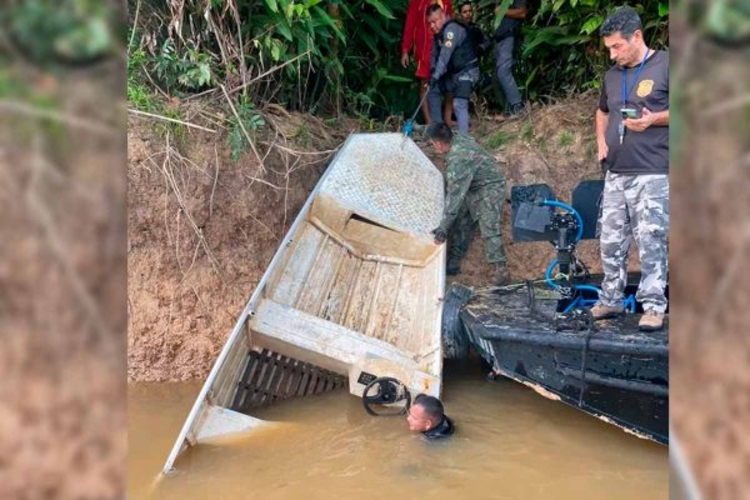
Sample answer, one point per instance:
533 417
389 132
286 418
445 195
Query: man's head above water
425 414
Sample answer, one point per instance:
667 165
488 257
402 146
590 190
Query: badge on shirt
644 88
448 44
450 35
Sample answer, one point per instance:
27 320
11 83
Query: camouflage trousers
637 206
485 208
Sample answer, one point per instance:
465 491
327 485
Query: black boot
454 267
502 275
517 109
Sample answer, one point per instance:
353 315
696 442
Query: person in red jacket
418 37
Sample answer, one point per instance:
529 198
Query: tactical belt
473 64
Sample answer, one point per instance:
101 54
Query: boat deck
383 298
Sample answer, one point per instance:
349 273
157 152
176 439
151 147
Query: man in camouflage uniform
632 130
475 191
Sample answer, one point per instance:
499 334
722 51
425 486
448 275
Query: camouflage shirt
469 168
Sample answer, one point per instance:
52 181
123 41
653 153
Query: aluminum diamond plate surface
387 177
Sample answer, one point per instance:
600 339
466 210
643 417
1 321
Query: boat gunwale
247 311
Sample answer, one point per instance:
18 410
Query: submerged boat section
354 293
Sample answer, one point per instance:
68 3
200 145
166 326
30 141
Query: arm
454 36
602 119
517 13
409 26
648 119
514 12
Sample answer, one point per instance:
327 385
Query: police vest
463 56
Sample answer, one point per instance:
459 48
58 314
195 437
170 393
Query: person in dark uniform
427 416
455 67
476 37
477 40
418 37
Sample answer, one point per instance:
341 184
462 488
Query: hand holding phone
629 113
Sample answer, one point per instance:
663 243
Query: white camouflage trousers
637 206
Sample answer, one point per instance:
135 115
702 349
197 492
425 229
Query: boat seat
332 346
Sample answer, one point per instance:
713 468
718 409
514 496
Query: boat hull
611 370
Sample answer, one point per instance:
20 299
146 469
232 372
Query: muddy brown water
510 444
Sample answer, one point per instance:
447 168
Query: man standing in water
427 416
632 135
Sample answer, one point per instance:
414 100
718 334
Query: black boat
541 334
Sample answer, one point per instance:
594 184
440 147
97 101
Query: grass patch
141 98
566 139
527 132
178 130
303 136
498 139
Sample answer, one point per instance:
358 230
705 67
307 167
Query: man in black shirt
427 416
475 35
476 39
632 132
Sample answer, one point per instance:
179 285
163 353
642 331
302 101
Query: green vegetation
561 51
247 121
338 58
527 131
53 31
499 139
140 95
566 139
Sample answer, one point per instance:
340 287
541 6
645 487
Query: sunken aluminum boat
540 334
354 293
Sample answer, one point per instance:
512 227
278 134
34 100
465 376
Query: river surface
510 444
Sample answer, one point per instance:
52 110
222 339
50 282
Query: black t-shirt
644 152
476 38
509 27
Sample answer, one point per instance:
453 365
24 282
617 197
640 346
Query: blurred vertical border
63 309
709 249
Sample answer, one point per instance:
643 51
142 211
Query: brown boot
600 311
651 321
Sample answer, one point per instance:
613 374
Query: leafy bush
561 52
342 56
56 31
249 121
